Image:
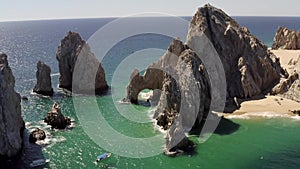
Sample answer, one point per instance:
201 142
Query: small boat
103 156
38 162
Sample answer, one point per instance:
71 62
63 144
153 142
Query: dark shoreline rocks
286 39
75 58
11 122
36 135
43 85
56 119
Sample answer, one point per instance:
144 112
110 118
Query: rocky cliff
286 39
290 87
80 70
11 122
43 85
249 67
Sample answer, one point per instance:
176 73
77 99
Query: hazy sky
57 9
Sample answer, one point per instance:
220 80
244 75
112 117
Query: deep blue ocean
250 143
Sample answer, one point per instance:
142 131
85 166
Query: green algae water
269 143
237 143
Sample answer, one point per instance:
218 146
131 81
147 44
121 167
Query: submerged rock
11 122
43 85
56 119
286 39
80 70
37 135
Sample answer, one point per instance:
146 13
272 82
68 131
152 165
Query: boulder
56 119
80 70
286 39
43 85
11 122
37 135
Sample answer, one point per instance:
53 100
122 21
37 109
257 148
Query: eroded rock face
290 87
56 119
249 67
36 135
43 85
286 39
11 122
89 75
154 74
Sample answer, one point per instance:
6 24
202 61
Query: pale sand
270 106
285 56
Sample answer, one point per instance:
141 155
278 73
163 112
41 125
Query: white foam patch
54 74
268 115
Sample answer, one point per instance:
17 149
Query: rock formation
37 135
43 85
286 39
80 70
290 87
249 67
11 122
56 119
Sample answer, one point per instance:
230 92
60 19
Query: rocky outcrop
290 87
286 39
56 119
154 74
11 122
249 67
80 70
37 135
43 85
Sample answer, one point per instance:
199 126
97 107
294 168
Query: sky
12 10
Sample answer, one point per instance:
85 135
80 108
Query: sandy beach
270 106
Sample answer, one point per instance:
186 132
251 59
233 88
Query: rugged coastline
251 71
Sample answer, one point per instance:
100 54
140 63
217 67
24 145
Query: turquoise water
236 144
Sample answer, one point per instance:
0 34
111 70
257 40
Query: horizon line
115 17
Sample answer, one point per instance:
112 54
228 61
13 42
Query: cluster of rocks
11 122
36 135
286 39
78 66
250 69
56 119
289 87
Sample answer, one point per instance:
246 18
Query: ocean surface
266 143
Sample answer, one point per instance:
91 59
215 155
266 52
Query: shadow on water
225 127
30 152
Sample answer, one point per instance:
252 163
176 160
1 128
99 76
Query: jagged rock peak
88 77
43 76
11 122
249 67
286 39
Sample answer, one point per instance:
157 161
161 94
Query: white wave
267 115
54 74
38 95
